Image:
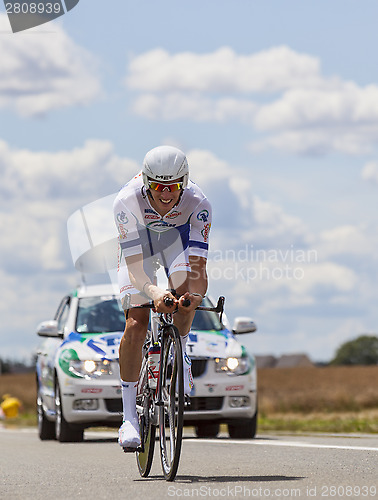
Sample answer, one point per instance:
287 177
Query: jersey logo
203 216
123 231
205 232
160 226
173 215
122 218
151 216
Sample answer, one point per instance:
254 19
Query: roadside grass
350 422
316 399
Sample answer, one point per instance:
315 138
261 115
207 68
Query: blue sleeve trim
130 244
199 244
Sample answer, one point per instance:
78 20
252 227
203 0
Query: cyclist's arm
200 224
197 284
198 275
142 282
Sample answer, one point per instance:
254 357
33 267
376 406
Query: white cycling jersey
172 238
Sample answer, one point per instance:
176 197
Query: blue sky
276 104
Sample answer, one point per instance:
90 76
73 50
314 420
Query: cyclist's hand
194 300
160 305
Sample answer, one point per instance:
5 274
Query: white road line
283 443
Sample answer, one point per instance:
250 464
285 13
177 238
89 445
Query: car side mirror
49 329
243 325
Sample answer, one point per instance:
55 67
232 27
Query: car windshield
104 314
100 314
206 320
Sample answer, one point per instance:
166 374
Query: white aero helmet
164 164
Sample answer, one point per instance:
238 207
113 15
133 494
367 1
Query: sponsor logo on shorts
234 387
182 264
92 390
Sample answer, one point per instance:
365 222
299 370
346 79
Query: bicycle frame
162 403
162 400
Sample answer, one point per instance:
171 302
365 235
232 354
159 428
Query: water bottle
153 365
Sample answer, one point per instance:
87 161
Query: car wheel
63 431
46 429
207 430
243 428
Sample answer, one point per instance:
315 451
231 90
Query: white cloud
38 297
321 140
176 106
222 71
272 224
205 167
318 120
348 239
45 72
246 216
91 170
370 172
312 114
40 190
345 104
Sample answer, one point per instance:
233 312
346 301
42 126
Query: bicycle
160 392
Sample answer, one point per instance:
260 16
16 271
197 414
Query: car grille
113 405
196 404
198 367
205 404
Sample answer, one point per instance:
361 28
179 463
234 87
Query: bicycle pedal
128 449
187 401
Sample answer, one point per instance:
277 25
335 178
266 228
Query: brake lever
168 301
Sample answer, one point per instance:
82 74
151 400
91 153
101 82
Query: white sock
129 390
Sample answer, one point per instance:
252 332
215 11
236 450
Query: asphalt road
271 466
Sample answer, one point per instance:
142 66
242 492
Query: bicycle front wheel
146 412
171 409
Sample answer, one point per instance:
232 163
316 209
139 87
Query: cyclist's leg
183 322
177 268
130 357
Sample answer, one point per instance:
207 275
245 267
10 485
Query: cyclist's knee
136 327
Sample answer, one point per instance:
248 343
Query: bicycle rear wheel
147 426
171 409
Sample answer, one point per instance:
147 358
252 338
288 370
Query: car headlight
89 368
233 365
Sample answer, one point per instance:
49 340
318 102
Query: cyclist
160 214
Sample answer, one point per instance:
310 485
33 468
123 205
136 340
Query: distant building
284 361
266 361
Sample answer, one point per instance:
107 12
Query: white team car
77 368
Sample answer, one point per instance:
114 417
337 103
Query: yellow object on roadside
10 406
